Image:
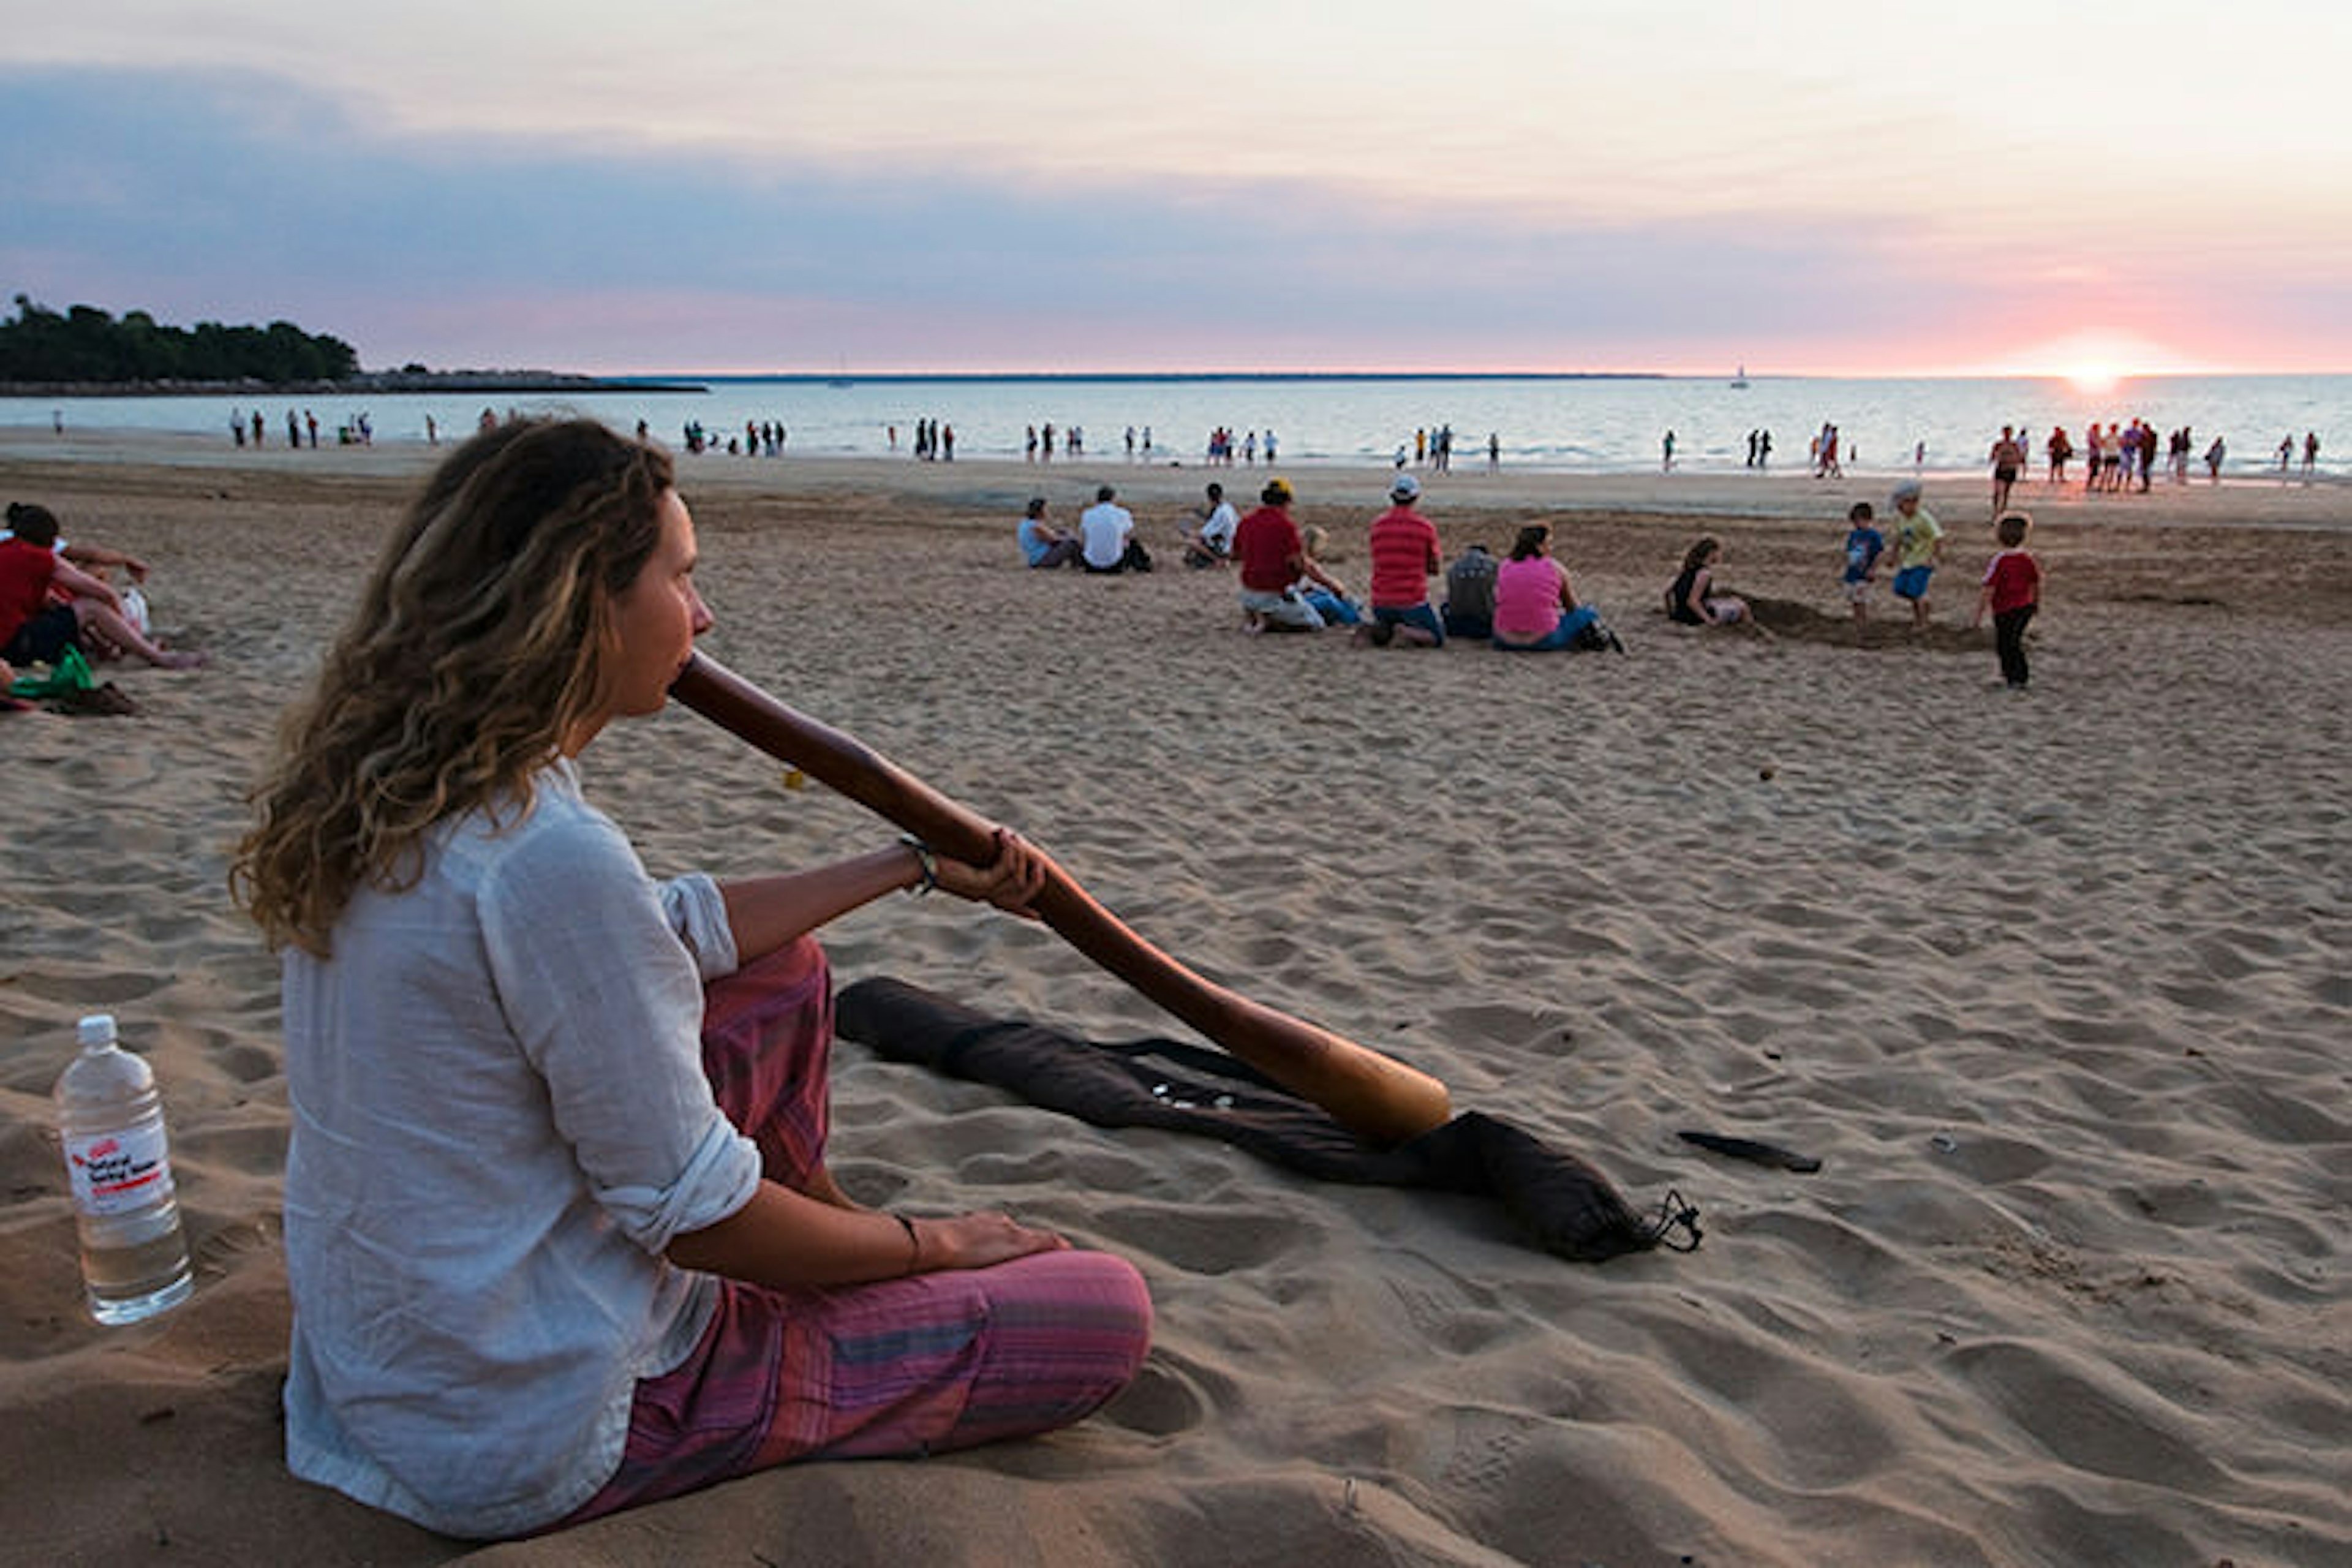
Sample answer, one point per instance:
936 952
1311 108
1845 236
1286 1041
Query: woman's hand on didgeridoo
976 1241
1010 881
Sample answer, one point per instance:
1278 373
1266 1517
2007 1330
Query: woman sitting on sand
1692 600
1043 546
559 1232
1535 604
1326 593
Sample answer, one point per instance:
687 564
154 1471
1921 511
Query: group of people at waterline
1527 602
2114 454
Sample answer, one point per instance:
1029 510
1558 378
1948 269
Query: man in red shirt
1273 562
1404 554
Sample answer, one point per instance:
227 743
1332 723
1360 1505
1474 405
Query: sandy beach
2055 986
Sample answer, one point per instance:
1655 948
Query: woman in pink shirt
1535 606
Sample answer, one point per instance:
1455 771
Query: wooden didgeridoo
1371 1096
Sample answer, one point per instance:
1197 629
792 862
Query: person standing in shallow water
617 1267
2008 462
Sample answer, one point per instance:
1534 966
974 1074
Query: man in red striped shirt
1404 556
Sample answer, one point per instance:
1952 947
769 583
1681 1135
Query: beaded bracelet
925 861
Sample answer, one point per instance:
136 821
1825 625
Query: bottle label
116 1172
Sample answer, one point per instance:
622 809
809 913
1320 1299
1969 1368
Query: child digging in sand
1694 599
2012 592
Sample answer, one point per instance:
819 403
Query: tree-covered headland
86 344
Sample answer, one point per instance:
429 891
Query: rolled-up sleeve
697 915
717 1180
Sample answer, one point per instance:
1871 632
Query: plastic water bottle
134 1256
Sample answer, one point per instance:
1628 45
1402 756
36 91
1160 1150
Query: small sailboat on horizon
1740 380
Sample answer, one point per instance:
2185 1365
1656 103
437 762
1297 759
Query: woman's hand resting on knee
787 1239
976 1241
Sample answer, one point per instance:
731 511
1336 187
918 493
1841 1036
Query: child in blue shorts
1919 546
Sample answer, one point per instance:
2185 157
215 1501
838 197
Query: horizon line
852 376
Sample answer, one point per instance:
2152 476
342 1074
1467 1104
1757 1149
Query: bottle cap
97 1029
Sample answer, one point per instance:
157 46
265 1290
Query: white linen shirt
499 1120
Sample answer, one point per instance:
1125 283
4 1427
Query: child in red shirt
2012 592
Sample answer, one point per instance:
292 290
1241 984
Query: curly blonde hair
476 649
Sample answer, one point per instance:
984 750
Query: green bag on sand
70 673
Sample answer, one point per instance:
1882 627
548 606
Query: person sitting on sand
1404 554
98 561
1211 544
1536 610
1273 559
559 1229
1469 608
36 628
1323 594
1042 545
1108 532
1692 600
95 559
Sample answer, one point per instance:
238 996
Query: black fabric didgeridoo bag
1566 1207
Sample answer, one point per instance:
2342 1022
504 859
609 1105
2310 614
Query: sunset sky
1813 187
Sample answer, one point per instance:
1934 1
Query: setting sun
2094 361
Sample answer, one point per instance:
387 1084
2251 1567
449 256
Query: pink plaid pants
906 1367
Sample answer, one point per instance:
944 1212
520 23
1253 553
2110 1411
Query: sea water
1600 425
